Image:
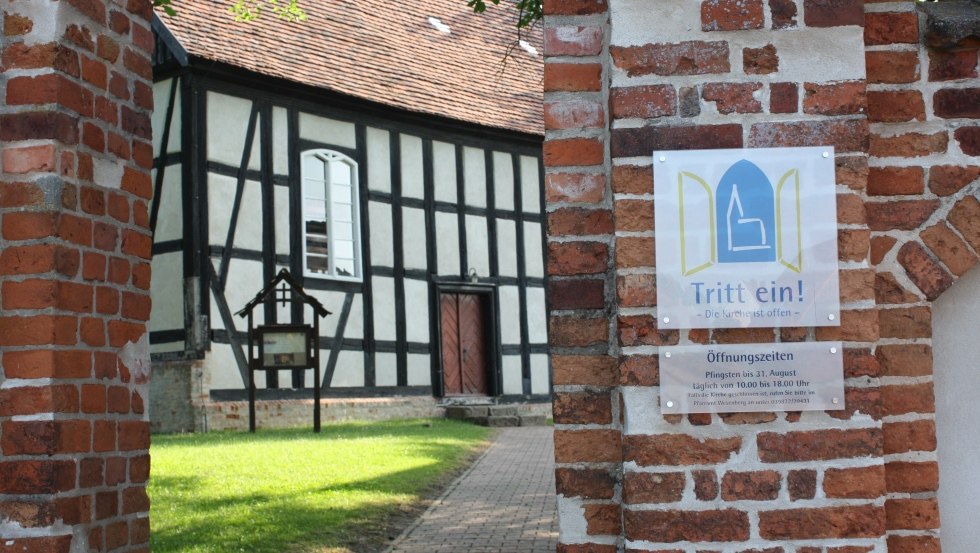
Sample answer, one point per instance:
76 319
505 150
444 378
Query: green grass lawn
283 491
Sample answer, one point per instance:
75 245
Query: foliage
250 10
287 491
529 11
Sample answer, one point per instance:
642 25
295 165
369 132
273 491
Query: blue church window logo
749 220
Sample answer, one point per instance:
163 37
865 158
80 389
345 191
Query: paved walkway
505 502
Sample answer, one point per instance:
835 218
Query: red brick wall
75 156
624 78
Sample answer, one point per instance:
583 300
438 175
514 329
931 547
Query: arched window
331 228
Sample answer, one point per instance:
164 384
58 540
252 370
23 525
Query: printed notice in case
752 377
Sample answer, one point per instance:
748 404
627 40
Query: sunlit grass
295 491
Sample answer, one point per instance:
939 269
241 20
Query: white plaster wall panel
349 370
530 185
447 243
413 182
957 411
379 160
167 347
475 177
281 220
385 369
227 128
503 179
167 292
511 375
807 54
280 141
477 246
170 219
355 321
507 247
537 316
244 281
417 310
221 202
382 253
510 315
327 131
444 171
419 371
413 238
539 373
384 308
223 370
334 303
161 98
533 254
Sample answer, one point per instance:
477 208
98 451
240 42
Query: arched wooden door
464 345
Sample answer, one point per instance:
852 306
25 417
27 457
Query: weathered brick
902 437
896 106
578 332
682 58
905 359
949 248
946 180
572 152
733 97
638 290
843 98
886 67
588 446
912 514
968 139
846 136
642 141
639 370
572 41
855 483
635 330
576 294
575 187
573 114
783 14
633 215
900 399
784 98
908 144
585 483
913 544
632 179
582 408
818 445
646 102
891 28
899 215
957 103
579 222
853 245
855 326
911 322
635 252
731 15
965 217
574 7
705 484
574 258
857 521
698 526
924 270
945 65
912 477
602 519
679 449
802 484
754 486
760 61
833 13
572 77
650 487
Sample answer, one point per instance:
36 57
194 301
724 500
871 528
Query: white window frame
330 159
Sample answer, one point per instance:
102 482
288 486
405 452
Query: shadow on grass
357 518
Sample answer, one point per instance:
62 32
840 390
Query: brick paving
505 502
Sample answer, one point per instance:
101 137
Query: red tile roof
387 52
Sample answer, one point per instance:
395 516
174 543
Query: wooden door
464 351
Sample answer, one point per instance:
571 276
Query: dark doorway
464 345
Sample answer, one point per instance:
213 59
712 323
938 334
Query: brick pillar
624 78
74 275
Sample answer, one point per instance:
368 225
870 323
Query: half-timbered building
390 159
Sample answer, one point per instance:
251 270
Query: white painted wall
417 310
161 98
537 316
221 201
384 307
447 243
530 185
539 373
444 171
503 177
349 370
167 294
477 245
418 369
385 369
280 141
507 247
475 177
379 215
510 315
170 219
513 382
533 254
227 126
379 160
413 182
956 361
413 238
329 131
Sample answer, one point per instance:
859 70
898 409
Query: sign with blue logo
746 238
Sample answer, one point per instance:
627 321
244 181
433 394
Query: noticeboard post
283 346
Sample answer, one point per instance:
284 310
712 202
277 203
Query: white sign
806 376
746 238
